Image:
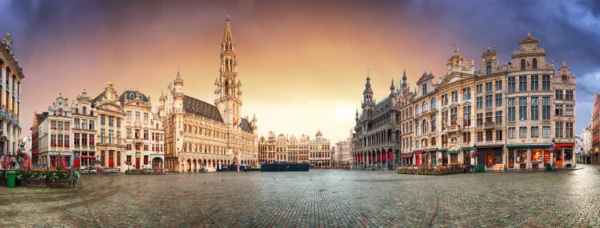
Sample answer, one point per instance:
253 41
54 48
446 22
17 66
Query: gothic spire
227 37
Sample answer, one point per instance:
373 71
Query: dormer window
488 67
564 78
424 88
534 63
523 64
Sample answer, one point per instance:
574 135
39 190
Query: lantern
474 154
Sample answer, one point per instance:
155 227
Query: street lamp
475 154
553 150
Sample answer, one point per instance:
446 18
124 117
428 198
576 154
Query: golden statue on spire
110 83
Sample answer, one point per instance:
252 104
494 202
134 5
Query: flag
235 123
240 124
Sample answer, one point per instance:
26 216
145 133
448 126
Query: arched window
417 110
433 104
84 110
488 67
522 64
564 78
534 63
433 143
424 106
77 110
425 127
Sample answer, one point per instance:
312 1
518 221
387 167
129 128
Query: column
529 166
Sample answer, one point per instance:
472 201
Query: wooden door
137 163
418 160
489 159
111 162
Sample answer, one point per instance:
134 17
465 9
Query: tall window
110 121
522 83
498 135
479 102
498 117
454 96
499 100
467 115
558 110
433 124
559 95
479 119
488 135
522 132
511 84
534 82
569 110
523 108
559 130
511 109
128 115
433 104
137 116
418 130
480 88
118 122
546 131
534 63
569 129
569 95
489 116
424 126
534 108
424 88
523 64
467 137
488 67
511 132
545 82
444 118
479 136
489 86
467 94
545 108
424 106
417 110
453 115
146 116
102 119
488 101
535 132
499 85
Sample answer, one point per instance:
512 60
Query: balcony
488 125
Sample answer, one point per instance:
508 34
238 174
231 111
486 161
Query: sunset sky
302 64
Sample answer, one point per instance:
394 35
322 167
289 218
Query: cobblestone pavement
319 198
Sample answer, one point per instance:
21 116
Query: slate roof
201 108
130 95
246 125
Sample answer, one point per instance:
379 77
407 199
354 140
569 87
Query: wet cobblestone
319 198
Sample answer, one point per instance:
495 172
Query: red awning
418 152
88 157
406 156
565 145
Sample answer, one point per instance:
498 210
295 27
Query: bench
499 168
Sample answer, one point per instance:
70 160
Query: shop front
406 159
528 156
418 156
564 157
466 154
490 155
429 158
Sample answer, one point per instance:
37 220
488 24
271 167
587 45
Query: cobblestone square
319 198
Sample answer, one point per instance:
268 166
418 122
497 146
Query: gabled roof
99 97
246 126
201 108
424 78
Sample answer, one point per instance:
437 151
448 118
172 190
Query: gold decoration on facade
110 83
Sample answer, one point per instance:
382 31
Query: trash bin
11 179
480 168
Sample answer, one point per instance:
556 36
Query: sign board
138 154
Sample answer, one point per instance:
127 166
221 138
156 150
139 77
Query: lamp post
552 150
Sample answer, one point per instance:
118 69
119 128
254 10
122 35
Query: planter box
40 183
64 183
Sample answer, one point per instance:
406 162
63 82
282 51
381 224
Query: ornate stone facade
201 135
282 148
511 114
11 75
84 130
143 132
55 133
